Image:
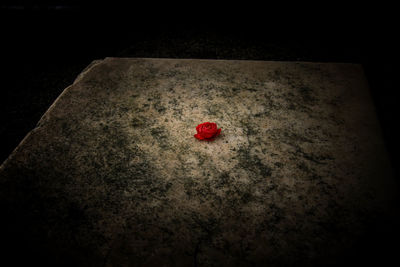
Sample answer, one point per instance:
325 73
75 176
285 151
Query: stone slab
112 175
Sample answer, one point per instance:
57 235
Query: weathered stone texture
113 176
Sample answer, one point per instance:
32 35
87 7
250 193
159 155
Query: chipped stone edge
45 115
86 70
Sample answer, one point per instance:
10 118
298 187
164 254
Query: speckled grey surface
112 175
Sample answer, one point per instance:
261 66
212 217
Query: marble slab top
113 176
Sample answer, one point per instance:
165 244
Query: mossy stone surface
113 176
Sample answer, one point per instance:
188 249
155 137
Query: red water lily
207 131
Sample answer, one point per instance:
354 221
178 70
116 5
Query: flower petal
208 135
207 131
198 136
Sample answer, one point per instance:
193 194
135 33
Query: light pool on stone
112 175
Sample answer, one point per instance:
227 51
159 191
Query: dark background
45 45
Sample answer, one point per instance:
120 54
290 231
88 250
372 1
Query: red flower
207 131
